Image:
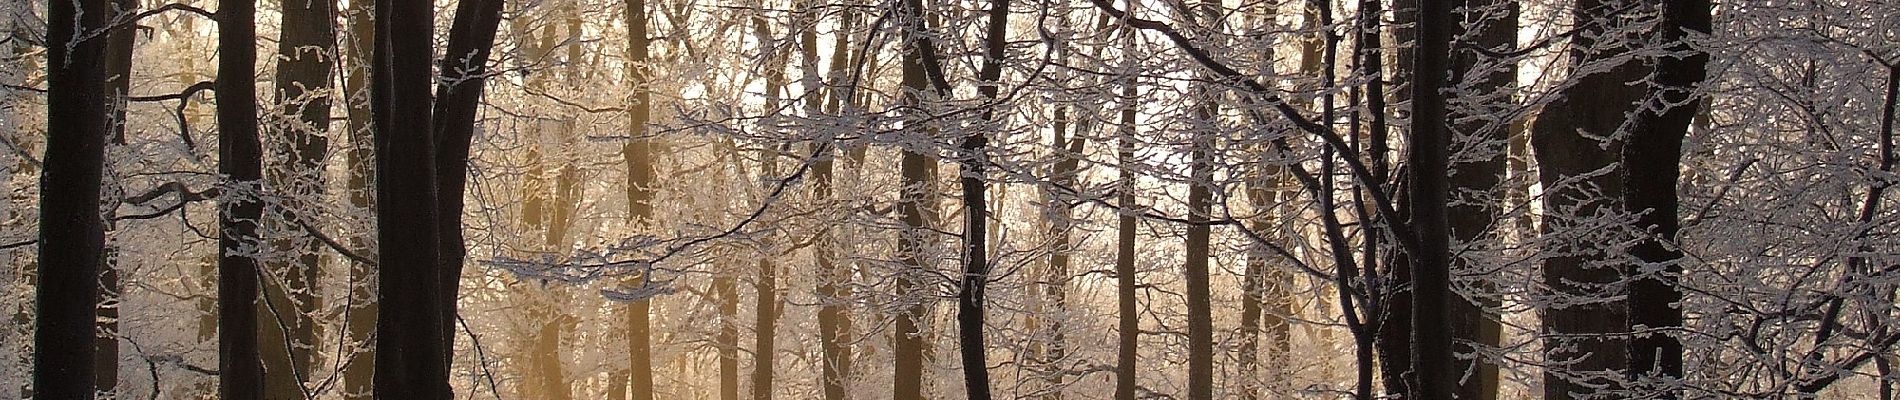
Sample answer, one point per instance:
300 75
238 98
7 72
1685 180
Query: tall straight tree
834 324
358 373
118 68
974 163
240 161
72 233
1652 164
1583 328
916 202
642 187
1128 322
1476 181
412 353
1200 320
1429 155
287 331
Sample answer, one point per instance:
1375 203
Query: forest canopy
910 199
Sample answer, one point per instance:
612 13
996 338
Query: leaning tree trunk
1652 164
72 234
451 129
974 163
240 160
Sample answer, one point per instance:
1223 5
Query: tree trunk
725 291
974 164
240 159
412 355
916 206
1476 187
1200 320
641 189
72 234
360 359
834 324
1652 165
287 330
119 69
1429 157
1128 319
452 127
1582 330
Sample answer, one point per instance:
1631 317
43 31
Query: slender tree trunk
834 324
287 327
1200 320
240 159
119 70
1583 328
916 206
72 233
359 370
974 164
452 128
1652 164
1128 319
725 290
1476 186
642 186
1069 148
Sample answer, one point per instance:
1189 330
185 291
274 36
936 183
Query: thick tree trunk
288 328
1476 186
726 292
412 356
917 208
1429 157
1583 328
1652 165
240 160
72 233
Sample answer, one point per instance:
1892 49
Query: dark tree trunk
288 328
1476 185
412 349
1429 157
974 164
72 233
359 370
1584 328
464 72
1128 319
1069 148
118 68
240 159
1652 165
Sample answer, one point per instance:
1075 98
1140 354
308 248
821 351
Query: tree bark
1583 330
72 233
834 323
1429 157
360 366
1200 320
1476 186
916 207
412 356
642 187
451 129
1652 165
240 160
974 164
119 45
287 332
1128 319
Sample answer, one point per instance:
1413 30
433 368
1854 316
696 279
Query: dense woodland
910 199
